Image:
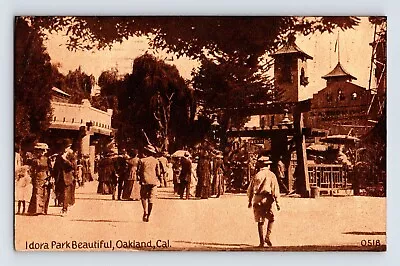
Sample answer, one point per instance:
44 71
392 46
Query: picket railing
328 177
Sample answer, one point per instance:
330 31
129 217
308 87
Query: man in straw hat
148 169
263 193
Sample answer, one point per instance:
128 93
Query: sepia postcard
200 133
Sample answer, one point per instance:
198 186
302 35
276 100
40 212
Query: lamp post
215 129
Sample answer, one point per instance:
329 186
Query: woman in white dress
23 187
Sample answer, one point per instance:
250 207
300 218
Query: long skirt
218 184
104 188
135 193
67 196
127 189
87 177
39 199
72 195
203 192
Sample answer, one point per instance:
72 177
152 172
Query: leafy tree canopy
33 81
243 39
76 83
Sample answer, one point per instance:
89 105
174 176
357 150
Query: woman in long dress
218 182
106 170
193 180
131 190
40 179
169 171
203 177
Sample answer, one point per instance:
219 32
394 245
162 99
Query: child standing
23 187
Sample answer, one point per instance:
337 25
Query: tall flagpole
338 46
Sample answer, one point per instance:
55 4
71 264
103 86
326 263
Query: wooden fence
331 178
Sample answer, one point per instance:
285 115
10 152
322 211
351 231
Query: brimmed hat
264 159
150 148
67 143
41 146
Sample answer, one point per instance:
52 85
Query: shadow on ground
366 233
99 221
206 246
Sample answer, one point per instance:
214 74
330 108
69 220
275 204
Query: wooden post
331 180
303 182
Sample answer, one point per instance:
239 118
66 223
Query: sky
355 56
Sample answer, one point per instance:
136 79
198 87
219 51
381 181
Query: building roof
60 92
291 48
338 72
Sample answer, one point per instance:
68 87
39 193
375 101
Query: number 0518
370 242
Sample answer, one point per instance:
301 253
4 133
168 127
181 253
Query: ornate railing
328 177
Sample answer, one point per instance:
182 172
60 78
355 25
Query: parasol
340 139
318 148
180 153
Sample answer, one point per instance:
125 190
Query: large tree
112 86
76 83
223 86
33 80
157 101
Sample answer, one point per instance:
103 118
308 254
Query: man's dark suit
185 176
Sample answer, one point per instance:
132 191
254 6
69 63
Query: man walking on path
122 171
263 193
148 168
185 176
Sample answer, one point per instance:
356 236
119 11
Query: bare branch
158 120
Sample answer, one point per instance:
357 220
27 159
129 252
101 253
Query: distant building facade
341 106
84 124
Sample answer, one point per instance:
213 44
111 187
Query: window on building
303 79
341 96
354 96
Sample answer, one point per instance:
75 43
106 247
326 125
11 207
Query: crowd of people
40 177
119 175
196 173
136 176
